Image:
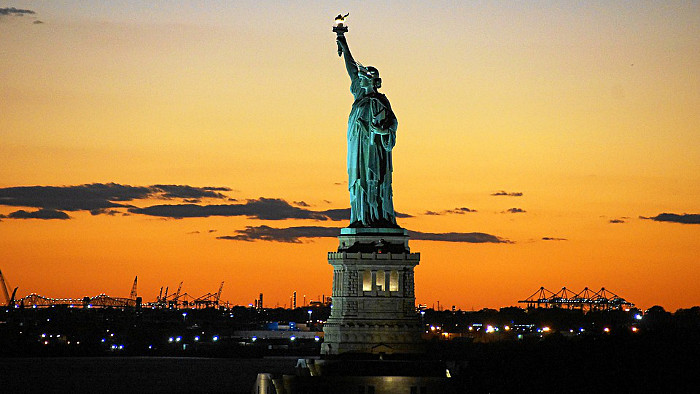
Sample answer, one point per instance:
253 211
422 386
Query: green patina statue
371 137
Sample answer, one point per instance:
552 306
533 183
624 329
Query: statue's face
366 81
370 79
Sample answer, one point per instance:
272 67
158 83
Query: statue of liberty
371 137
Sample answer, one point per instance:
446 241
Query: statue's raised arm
350 63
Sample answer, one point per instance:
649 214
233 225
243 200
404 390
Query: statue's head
370 76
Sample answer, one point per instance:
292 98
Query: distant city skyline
539 144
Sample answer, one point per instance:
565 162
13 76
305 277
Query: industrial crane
132 295
9 299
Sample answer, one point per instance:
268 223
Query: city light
196 338
490 329
292 338
215 338
178 339
169 340
606 329
638 316
546 329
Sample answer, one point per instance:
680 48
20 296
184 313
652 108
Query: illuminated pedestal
373 294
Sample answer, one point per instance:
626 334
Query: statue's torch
340 29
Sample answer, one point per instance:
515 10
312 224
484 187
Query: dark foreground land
659 353
643 364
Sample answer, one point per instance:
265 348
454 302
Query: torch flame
340 19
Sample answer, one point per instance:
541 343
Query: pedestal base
373 307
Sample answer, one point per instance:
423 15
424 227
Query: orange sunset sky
570 129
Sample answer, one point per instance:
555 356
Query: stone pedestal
373 307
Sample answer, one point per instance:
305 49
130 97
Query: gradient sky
589 109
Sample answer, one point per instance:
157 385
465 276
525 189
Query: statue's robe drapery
369 158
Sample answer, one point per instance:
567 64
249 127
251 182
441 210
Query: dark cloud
337 214
553 239
212 231
45 214
295 234
38 22
72 198
289 234
338 183
505 193
104 211
12 11
686 218
185 191
262 208
193 232
514 210
301 204
613 221
457 211
475 238
460 211
98 197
